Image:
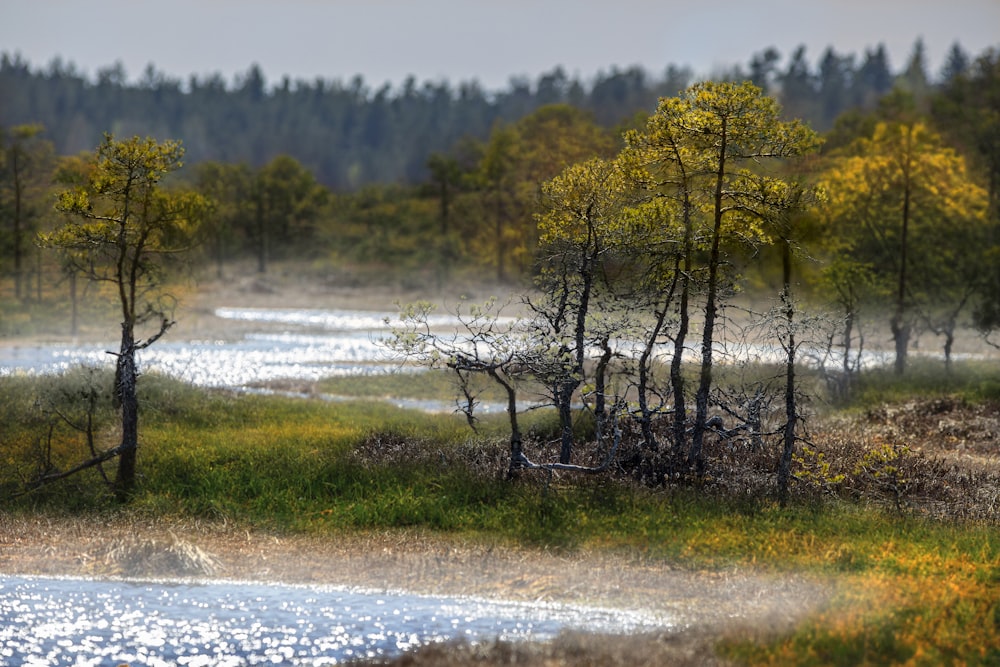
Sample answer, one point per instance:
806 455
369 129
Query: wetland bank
566 587
373 497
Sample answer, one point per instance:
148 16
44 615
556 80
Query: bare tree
485 343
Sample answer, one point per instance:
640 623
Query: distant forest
349 135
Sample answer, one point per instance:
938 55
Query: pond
275 344
72 621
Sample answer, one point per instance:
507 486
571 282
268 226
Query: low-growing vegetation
898 503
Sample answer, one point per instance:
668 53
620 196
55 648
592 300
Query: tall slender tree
122 227
720 129
581 230
26 164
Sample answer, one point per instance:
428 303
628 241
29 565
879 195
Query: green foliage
904 219
121 227
883 465
383 134
347 133
124 225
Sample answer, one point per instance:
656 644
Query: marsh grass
439 385
974 381
97 311
912 588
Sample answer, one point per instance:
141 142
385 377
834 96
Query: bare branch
45 480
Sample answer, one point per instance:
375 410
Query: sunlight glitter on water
330 320
314 345
65 621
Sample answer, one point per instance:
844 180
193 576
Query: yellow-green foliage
813 468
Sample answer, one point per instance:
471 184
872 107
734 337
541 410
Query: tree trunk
261 237
600 389
901 340
74 299
126 376
900 326
498 232
645 414
848 334
791 416
564 400
38 275
677 384
19 292
566 388
844 387
696 455
677 363
516 450
949 342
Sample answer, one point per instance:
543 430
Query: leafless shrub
938 458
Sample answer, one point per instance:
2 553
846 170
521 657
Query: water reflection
66 621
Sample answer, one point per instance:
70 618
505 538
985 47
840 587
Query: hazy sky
460 40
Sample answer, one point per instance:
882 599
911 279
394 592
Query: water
70 621
277 345
312 344
286 345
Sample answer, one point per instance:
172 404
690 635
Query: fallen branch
45 480
527 464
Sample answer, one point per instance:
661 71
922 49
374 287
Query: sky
462 40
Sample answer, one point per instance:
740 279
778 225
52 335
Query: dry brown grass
136 556
947 457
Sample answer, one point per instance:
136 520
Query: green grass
909 591
975 381
438 385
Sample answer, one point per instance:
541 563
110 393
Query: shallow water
69 621
288 344
312 344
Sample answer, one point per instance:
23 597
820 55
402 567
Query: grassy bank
911 589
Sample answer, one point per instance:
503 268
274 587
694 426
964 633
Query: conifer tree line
472 205
350 134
